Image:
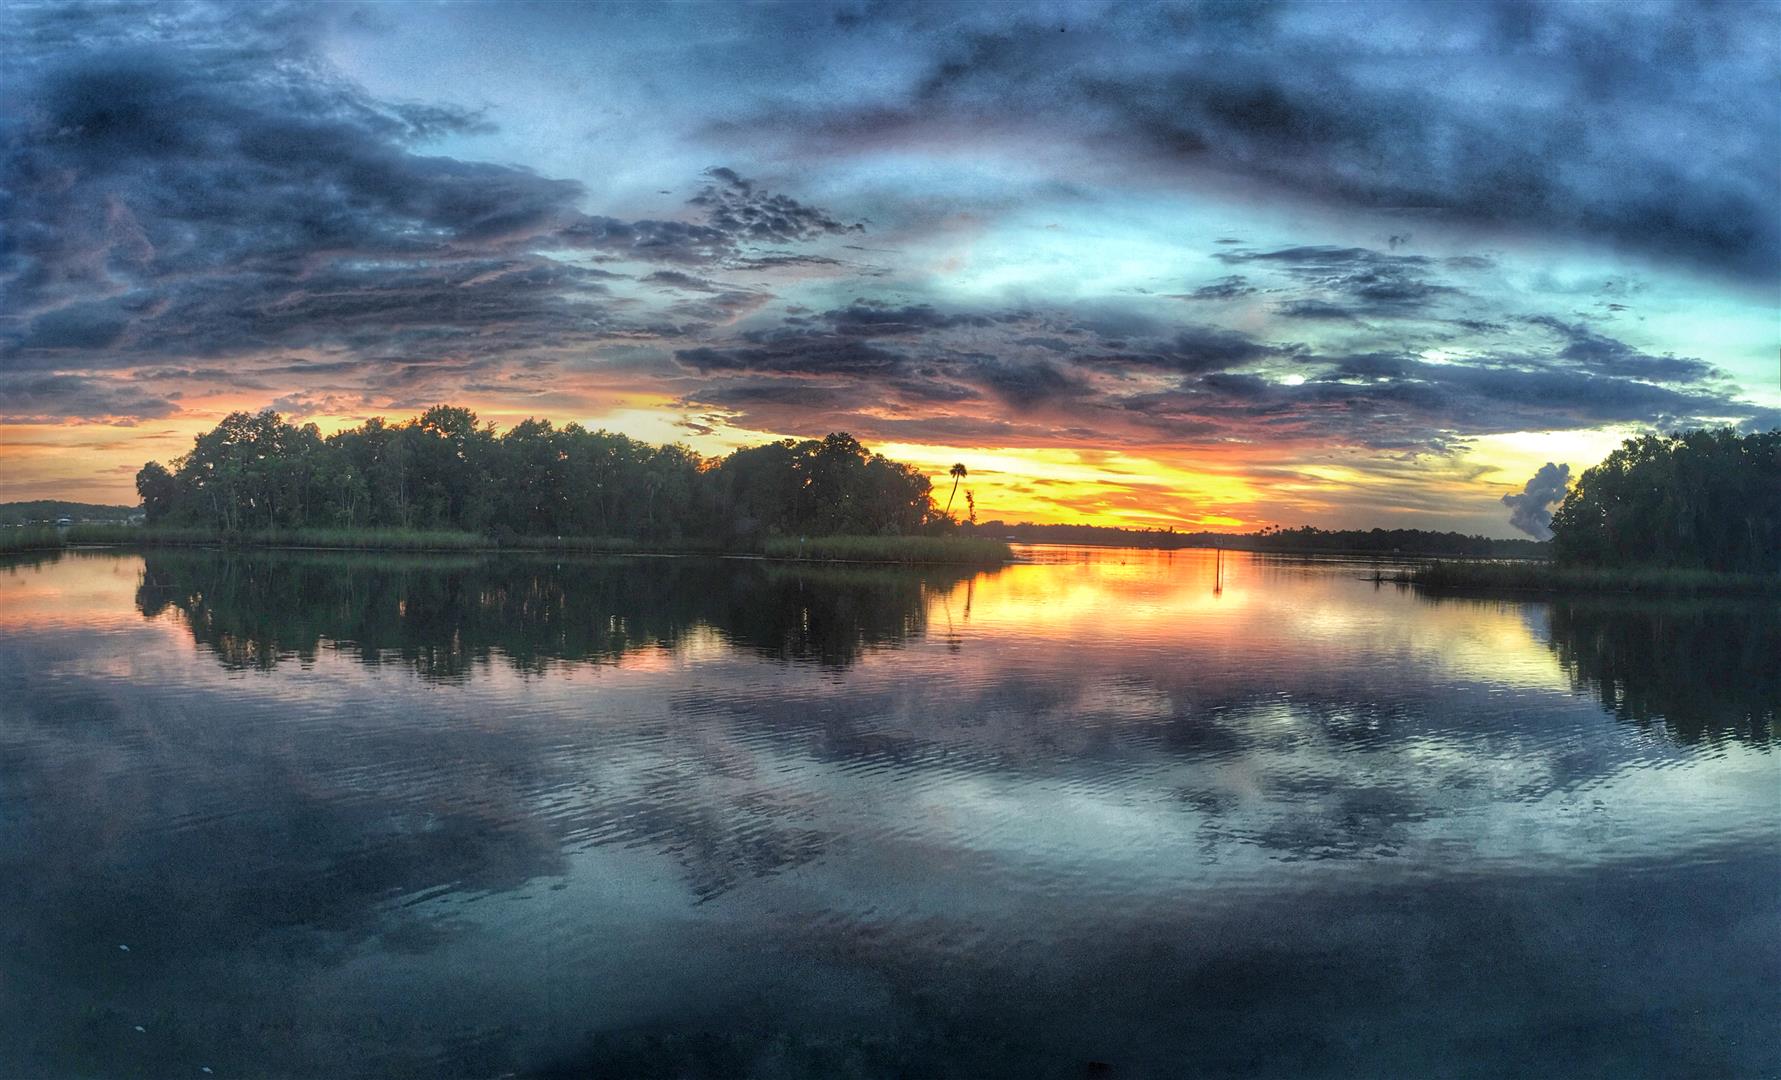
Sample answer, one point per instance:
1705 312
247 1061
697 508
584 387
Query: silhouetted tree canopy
1706 499
445 470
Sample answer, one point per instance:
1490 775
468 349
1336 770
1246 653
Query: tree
1708 499
957 472
446 470
158 490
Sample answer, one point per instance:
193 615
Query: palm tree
957 472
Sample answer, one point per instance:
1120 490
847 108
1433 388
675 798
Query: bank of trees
445 470
1705 499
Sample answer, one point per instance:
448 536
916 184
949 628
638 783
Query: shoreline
865 550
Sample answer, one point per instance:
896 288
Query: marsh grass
891 549
29 539
135 534
1455 576
864 549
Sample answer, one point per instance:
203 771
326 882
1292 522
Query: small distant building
63 523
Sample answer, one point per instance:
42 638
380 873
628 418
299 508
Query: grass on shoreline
899 549
889 549
29 539
341 539
1463 576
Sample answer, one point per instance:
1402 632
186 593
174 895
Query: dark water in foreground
411 817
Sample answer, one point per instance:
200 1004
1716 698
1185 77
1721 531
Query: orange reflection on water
1202 603
93 590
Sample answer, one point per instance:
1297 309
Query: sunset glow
1122 278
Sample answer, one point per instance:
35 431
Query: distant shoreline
1437 574
910 550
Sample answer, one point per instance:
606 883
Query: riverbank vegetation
883 549
445 481
28 539
898 549
1693 512
1305 539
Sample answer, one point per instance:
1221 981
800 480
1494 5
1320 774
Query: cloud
53 398
1352 281
198 185
1598 353
1531 508
1653 128
1138 382
199 205
738 207
1225 288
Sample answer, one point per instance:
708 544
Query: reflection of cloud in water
365 760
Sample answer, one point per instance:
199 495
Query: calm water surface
309 815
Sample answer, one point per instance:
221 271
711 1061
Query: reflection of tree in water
443 616
1704 671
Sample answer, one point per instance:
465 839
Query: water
308 814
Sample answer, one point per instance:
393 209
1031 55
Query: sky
1199 265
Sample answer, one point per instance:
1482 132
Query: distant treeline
1705 499
1302 539
445 470
46 511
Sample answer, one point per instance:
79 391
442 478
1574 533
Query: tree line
1706 499
1304 539
446 470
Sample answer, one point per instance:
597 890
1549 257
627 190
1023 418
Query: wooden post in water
1218 573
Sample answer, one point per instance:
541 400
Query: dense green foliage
445 471
1303 539
1708 499
41 511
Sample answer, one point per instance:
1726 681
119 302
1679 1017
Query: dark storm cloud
47 398
795 353
1354 281
1605 355
870 318
1384 401
1028 385
780 261
192 189
1225 288
1653 127
1316 309
1192 349
737 207
191 182
1134 380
